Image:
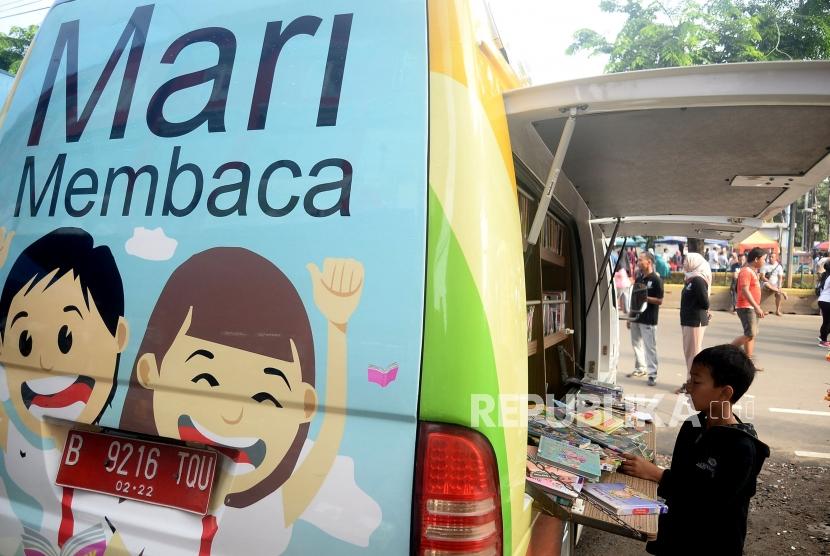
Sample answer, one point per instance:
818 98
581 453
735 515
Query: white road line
799 411
821 455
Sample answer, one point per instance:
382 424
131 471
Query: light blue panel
381 130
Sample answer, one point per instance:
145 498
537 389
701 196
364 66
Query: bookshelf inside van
549 290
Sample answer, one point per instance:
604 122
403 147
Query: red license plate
163 474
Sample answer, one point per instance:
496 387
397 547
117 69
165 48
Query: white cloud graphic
152 245
341 508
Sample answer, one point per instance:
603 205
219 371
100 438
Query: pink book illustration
383 377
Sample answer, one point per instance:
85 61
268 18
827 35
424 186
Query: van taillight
458 507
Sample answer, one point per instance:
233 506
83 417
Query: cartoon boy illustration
228 360
62 330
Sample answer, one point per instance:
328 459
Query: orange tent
758 239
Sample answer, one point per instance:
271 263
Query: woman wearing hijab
694 308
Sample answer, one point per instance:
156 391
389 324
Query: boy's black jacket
707 489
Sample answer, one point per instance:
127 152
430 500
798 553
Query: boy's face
703 392
58 354
228 397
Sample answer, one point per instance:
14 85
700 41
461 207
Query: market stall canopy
703 151
758 239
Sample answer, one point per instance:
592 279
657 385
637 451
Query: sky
535 32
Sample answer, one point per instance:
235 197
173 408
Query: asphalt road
795 379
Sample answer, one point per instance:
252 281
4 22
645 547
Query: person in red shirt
748 305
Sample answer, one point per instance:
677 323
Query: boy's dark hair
729 366
754 254
63 250
648 255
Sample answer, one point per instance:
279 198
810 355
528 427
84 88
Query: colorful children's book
615 442
621 499
550 478
538 426
600 419
570 458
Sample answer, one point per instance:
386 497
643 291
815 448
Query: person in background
694 309
748 306
723 260
666 255
772 278
678 259
615 256
661 266
823 287
734 266
713 259
644 328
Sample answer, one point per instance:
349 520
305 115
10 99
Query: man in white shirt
772 278
712 255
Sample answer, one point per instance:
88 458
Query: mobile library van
6 80
266 265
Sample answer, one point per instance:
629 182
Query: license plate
163 474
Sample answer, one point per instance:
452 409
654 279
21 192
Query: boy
62 331
715 463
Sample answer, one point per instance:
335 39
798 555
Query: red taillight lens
457 502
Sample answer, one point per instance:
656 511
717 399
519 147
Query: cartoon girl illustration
228 360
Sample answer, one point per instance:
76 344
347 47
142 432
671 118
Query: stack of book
621 499
589 386
570 458
562 485
603 421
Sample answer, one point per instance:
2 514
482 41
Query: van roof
702 151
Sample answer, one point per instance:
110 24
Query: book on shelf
570 458
525 214
530 311
553 235
603 421
622 499
553 311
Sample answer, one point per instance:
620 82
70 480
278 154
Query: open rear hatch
705 151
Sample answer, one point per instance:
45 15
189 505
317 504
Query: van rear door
213 234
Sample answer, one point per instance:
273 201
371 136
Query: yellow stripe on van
455 51
469 179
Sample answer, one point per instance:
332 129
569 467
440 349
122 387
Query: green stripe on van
458 357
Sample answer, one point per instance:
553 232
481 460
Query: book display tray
640 527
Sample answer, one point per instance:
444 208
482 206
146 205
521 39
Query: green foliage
13 47
658 34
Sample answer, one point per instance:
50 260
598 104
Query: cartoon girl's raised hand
337 288
5 244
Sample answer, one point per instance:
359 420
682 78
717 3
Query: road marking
799 411
820 455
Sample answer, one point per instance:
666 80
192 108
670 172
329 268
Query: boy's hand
637 466
337 288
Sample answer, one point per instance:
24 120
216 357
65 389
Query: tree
13 46
657 34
